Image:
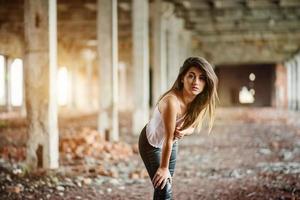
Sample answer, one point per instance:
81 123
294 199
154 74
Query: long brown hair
203 102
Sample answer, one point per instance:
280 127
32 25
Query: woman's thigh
172 162
151 156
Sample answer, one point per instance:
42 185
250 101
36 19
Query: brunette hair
203 102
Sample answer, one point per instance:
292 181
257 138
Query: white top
155 129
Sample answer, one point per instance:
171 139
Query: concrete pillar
280 89
23 106
289 84
140 19
159 54
74 77
40 77
185 44
129 86
294 84
89 57
3 81
8 63
182 47
123 87
107 26
297 59
187 35
174 28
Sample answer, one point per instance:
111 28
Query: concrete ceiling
224 31
247 31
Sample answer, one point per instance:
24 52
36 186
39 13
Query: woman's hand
178 134
161 177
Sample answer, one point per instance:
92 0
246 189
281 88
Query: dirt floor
251 154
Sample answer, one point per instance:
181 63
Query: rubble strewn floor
251 154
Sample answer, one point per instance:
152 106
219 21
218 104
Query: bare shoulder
168 102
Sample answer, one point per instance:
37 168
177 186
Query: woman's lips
195 88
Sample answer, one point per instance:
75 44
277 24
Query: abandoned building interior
94 70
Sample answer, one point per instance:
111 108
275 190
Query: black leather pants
151 157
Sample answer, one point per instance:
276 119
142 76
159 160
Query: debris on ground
252 153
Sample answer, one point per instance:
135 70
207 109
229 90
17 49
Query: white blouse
155 129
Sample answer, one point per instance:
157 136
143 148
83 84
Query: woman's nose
196 81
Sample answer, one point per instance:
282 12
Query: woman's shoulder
169 99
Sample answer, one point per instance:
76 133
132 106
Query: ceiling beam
289 3
244 37
230 14
259 26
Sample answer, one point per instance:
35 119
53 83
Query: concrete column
159 53
89 57
187 35
4 76
107 26
294 84
130 83
289 84
185 45
40 68
297 59
172 49
280 90
123 85
182 47
176 48
140 19
74 77
8 63
23 106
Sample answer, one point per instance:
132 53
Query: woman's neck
187 99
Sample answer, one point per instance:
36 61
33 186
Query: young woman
178 112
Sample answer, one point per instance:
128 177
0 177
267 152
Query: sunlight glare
63 86
16 82
2 80
246 96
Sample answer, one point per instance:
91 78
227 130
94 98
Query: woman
178 112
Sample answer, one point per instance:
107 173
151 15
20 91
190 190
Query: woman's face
194 81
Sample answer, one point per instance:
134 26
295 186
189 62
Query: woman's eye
191 76
201 78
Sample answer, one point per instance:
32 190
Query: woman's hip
152 154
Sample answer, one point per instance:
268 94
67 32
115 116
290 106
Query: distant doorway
245 85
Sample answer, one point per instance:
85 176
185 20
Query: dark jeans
151 157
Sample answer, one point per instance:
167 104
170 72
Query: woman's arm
169 113
178 134
189 130
168 108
